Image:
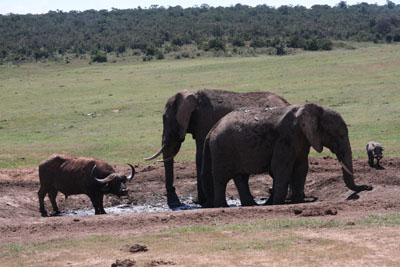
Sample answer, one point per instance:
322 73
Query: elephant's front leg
201 198
298 179
282 169
242 185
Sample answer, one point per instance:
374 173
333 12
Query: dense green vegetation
158 31
114 110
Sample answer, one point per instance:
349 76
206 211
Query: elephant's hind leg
220 192
242 185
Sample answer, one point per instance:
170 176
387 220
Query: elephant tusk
345 168
156 154
169 158
165 160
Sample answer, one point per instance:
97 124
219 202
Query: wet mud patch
145 209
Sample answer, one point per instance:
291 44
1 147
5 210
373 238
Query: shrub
238 42
216 44
160 55
99 57
258 43
314 44
150 50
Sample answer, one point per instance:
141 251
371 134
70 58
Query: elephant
275 140
196 113
374 151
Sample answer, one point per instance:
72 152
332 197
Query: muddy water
160 206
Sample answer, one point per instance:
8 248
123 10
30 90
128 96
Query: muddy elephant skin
196 113
275 140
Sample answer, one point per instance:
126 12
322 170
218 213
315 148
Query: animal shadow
353 196
378 167
185 207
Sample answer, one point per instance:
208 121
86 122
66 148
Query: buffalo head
115 183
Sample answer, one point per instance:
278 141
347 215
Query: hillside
158 31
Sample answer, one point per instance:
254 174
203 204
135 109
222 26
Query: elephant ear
308 116
185 106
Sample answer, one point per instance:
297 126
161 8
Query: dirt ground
20 220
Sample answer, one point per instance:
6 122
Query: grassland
371 241
113 110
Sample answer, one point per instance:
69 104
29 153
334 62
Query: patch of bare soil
20 220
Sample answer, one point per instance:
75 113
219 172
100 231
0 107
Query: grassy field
113 110
303 242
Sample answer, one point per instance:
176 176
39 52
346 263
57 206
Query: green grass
44 107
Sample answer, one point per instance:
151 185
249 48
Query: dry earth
20 220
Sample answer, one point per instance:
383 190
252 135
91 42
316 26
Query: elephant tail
206 179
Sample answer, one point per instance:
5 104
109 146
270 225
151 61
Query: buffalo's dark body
72 175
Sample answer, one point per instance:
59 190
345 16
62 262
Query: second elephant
274 140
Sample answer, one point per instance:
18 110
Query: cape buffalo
78 175
374 151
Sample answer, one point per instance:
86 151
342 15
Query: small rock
159 262
134 248
330 212
124 263
298 212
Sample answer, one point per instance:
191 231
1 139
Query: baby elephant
374 150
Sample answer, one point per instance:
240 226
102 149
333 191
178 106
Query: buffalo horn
102 181
156 154
132 173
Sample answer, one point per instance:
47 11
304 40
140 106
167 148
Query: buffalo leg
52 195
97 201
242 185
42 194
370 159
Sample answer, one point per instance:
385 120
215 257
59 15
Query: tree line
156 31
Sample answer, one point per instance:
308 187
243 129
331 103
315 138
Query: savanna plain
113 111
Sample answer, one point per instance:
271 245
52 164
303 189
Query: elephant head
176 118
325 127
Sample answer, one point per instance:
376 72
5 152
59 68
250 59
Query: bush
160 55
314 44
178 41
150 50
238 42
325 44
311 44
216 44
258 43
40 53
99 57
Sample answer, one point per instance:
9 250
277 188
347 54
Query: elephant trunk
169 153
346 161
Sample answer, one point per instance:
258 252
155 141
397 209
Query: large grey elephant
196 113
276 140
